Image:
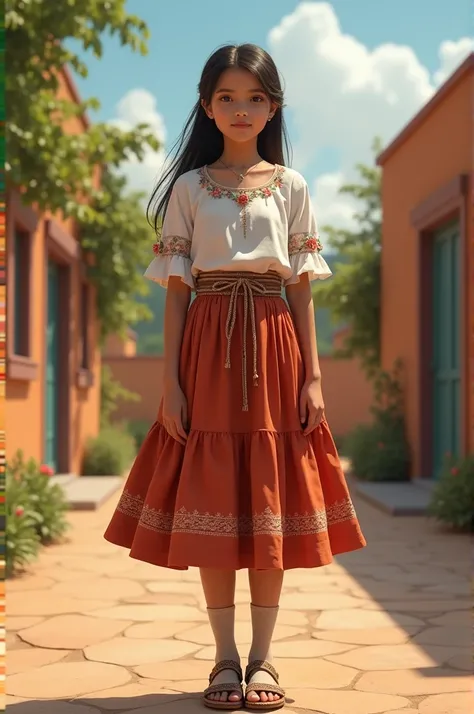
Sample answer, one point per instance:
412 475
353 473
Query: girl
239 469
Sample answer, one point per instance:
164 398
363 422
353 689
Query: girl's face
239 105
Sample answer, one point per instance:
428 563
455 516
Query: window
21 298
84 326
20 237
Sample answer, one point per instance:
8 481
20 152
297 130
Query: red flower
46 470
216 192
243 199
156 248
454 471
267 192
19 511
312 243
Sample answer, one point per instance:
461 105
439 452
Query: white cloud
342 94
451 55
333 208
139 106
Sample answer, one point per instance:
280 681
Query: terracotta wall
117 346
347 394
26 398
436 151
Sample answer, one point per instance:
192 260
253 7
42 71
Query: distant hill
150 333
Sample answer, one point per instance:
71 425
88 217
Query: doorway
446 345
51 425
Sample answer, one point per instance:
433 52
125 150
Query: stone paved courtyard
384 630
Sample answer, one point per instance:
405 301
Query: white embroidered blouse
210 227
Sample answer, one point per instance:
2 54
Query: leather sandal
224 687
263 666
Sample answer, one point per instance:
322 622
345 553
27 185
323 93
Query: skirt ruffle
248 490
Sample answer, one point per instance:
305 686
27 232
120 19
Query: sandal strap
260 665
224 687
226 664
256 687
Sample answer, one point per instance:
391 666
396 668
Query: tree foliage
54 166
112 392
353 294
120 243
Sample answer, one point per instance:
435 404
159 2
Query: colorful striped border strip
2 357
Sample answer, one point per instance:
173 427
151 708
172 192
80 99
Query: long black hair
202 143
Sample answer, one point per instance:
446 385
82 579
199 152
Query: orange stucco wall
143 375
25 406
25 400
439 149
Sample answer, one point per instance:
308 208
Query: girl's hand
175 413
311 405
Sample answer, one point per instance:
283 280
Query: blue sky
184 33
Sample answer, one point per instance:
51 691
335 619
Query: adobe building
427 300
53 355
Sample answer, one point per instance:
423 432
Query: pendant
244 221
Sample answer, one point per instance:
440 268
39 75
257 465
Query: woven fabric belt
250 285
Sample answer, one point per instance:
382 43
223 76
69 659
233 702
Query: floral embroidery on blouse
241 196
173 245
304 243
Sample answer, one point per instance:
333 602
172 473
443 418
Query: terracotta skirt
248 490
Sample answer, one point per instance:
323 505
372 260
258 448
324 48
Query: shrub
452 501
379 451
21 537
35 512
339 442
108 454
47 502
138 430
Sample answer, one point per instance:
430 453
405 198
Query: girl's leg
265 589
219 591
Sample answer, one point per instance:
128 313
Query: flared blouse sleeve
173 249
304 245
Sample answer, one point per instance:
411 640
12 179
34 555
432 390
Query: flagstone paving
385 630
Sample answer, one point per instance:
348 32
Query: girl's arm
175 414
301 305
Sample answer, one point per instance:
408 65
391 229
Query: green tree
120 242
112 392
353 294
54 167
151 344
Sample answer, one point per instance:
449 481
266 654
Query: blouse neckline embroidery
243 197
276 176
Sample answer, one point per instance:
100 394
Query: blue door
52 363
446 436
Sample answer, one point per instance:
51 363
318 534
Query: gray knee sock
263 625
222 621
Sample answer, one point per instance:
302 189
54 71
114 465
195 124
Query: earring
270 117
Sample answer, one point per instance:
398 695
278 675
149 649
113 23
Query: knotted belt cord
232 284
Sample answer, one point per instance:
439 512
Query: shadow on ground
189 703
415 575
